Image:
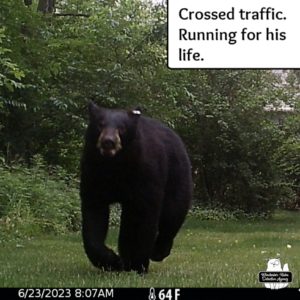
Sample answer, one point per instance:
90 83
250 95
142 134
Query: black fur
151 178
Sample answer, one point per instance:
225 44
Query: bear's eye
100 125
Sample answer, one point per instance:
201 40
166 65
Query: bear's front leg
94 229
138 231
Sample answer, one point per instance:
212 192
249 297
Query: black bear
143 165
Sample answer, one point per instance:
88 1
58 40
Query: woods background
241 127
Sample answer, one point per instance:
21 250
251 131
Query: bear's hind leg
169 226
176 204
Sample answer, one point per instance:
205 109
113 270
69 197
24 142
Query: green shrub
33 200
288 158
221 214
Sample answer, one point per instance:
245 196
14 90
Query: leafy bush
289 160
51 67
233 143
33 200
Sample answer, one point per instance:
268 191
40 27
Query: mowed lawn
205 254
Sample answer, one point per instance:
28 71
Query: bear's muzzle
109 142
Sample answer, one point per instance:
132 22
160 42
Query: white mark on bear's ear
136 112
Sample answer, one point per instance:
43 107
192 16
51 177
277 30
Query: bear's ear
94 110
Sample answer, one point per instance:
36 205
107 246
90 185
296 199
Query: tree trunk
46 6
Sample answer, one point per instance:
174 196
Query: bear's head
113 129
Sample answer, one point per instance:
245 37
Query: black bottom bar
145 293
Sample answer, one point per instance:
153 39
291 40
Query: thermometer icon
152 294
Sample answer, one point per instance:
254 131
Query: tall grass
36 200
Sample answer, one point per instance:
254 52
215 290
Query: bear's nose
108 144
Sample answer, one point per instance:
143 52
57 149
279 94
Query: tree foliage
114 53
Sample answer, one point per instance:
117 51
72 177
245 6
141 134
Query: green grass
205 254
